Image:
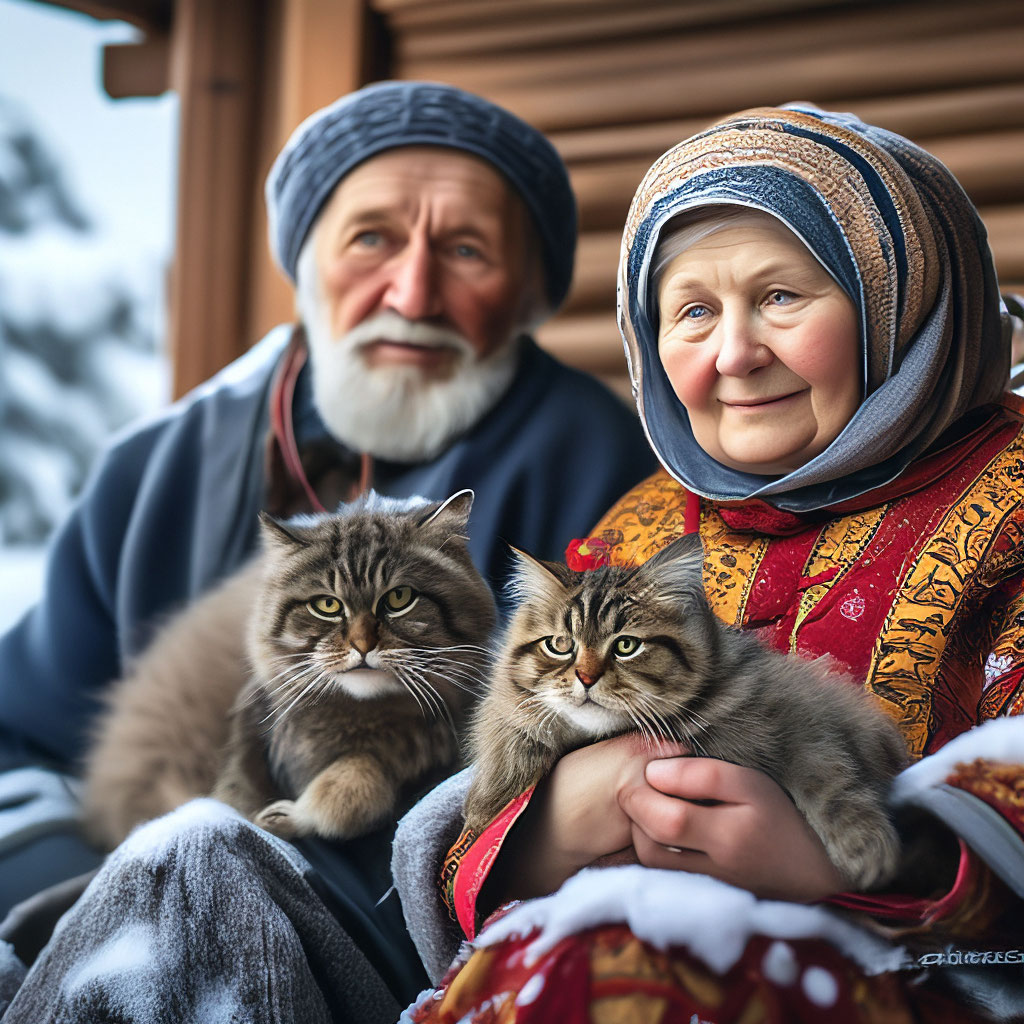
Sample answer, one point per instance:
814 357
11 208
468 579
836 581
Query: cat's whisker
657 716
641 726
450 647
437 703
435 698
420 684
451 672
461 668
672 730
698 718
410 685
296 682
445 711
549 716
302 693
457 680
293 673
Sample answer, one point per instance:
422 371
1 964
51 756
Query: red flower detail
587 553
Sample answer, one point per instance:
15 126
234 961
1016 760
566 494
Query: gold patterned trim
731 560
839 547
644 520
912 642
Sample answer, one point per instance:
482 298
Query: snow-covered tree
78 332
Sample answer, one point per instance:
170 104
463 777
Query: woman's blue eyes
773 298
369 239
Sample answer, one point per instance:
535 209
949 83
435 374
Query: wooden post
214 68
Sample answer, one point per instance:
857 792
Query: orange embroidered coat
916 588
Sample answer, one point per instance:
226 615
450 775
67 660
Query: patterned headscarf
898 234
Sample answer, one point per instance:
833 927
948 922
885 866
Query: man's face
434 235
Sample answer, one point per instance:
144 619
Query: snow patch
217 1005
1001 739
820 986
421 1000
529 992
154 839
711 919
780 964
129 953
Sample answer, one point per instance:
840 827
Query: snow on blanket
1001 739
711 919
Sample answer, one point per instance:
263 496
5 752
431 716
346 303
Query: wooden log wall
617 82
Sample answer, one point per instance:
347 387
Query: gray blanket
198 916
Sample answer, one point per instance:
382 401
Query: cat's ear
677 569
533 578
451 515
277 534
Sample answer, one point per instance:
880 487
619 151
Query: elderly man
427 231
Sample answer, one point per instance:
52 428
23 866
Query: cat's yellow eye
398 600
557 646
326 606
627 646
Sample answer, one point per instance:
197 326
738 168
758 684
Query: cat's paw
282 819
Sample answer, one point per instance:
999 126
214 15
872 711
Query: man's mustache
391 326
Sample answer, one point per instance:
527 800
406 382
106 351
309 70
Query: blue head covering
387 115
899 235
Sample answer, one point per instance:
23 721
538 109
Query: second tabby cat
334 668
591 655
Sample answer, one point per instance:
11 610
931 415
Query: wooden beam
148 15
214 68
138 69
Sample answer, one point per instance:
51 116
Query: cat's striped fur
330 696
595 654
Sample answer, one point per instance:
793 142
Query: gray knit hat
386 115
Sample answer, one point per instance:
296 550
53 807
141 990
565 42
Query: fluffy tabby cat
313 687
594 654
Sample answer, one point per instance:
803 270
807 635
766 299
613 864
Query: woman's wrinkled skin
761 346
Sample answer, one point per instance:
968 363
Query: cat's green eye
326 606
398 600
627 646
557 646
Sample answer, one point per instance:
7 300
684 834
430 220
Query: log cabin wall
614 83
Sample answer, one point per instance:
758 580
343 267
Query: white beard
395 412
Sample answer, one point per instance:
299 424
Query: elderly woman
818 355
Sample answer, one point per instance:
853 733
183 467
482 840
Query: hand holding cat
575 819
752 836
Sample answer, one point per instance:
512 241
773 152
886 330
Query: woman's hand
574 819
716 818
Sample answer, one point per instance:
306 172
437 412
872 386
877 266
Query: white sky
119 155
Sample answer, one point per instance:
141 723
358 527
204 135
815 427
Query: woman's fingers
703 778
735 823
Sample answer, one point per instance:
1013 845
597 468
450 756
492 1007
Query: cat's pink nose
586 680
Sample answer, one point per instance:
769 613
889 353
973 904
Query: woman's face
761 346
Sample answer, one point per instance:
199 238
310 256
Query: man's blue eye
369 239
695 312
780 298
467 252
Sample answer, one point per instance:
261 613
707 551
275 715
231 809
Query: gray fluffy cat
594 654
313 688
